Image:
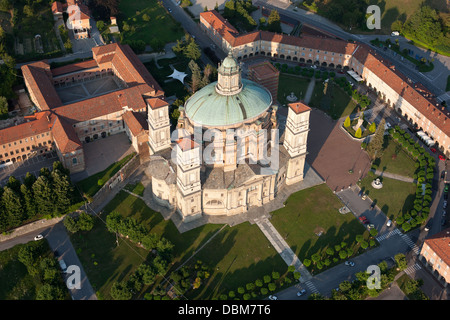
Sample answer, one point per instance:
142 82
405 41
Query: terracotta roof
440 244
82 14
39 82
263 70
398 82
299 107
57 7
65 136
187 144
36 124
74 67
156 103
135 121
221 25
102 105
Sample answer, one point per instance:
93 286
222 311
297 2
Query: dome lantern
229 77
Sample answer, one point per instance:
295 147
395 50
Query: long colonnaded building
412 101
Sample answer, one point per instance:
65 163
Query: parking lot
32 165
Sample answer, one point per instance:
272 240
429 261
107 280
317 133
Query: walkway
310 90
393 176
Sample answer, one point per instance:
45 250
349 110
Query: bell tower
295 139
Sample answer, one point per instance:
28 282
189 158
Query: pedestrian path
412 269
388 235
282 247
410 243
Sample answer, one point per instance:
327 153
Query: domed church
225 155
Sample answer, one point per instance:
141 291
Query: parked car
395 33
349 263
443 222
443 174
372 206
38 237
445 204
441 157
314 66
446 188
428 225
364 196
271 297
433 150
63 266
360 193
389 223
301 292
362 218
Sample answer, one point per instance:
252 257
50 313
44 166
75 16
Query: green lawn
91 185
236 254
160 26
395 198
310 211
395 160
289 83
336 103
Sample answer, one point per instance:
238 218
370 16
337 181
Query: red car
433 150
441 157
363 219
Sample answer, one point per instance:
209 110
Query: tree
196 76
400 259
373 127
27 255
192 50
49 292
71 224
63 191
207 72
3 106
358 133
85 221
376 143
145 17
274 22
43 195
28 200
12 204
120 291
347 122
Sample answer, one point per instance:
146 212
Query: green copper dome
209 108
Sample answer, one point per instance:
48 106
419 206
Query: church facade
225 155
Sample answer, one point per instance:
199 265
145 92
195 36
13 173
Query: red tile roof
57 7
65 136
74 67
221 25
135 121
36 124
39 82
299 107
187 144
440 244
156 103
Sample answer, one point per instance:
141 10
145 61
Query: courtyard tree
347 122
376 143
358 133
192 50
195 76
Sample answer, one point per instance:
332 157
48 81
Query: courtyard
86 89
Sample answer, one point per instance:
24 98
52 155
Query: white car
389 223
301 292
271 297
63 265
314 66
349 263
38 237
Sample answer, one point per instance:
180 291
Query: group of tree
187 48
334 254
48 195
426 26
200 79
80 222
189 277
238 12
129 227
145 274
261 287
103 9
45 268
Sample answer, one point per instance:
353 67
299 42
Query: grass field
310 211
395 198
395 160
236 254
90 185
160 24
337 103
288 84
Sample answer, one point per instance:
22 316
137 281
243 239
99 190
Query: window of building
74 160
